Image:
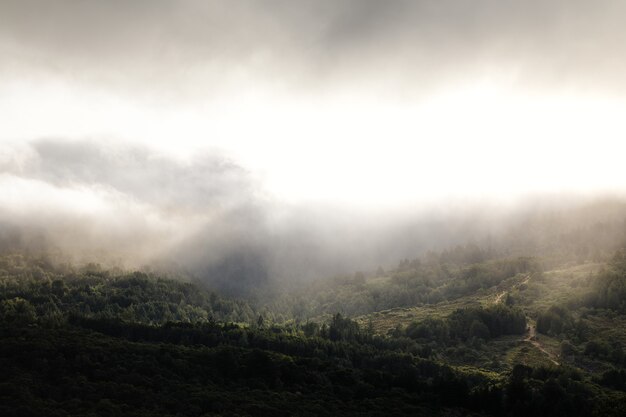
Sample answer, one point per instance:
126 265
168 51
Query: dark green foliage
479 330
103 367
554 321
430 329
549 392
93 342
343 329
606 350
311 329
17 311
429 280
489 274
567 349
110 367
615 379
610 286
485 323
93 292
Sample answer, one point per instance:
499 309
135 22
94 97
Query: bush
17 311
476 322
554 321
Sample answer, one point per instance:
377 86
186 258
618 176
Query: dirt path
500 296
531 335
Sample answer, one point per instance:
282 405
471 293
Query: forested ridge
95 341
312 208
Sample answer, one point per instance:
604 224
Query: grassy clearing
559 286
386 320
526 354
533 294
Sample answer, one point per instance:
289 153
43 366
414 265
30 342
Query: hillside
312 208
504 338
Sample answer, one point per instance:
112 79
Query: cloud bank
317 44
260 140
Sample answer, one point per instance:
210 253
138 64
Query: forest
312 208
465 331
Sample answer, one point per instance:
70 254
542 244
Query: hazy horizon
195 129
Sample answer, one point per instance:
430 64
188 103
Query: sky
171 115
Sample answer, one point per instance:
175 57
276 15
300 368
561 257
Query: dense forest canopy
451 331
312 207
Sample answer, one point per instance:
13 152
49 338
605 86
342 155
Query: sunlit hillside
312 207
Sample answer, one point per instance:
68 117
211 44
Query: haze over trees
450 331
312 207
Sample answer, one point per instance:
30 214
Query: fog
286 141
315 44
127 206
